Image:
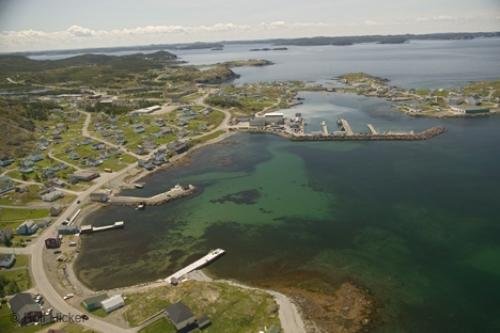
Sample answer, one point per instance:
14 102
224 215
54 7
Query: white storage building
113 303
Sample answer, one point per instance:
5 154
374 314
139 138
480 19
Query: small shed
94 302
113 303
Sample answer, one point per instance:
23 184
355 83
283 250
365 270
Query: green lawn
160 326
99 313
207 137
22 261
21 278
231 309
74 328
21 214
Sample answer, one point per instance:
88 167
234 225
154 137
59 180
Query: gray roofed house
180 316
7 260
52 196
25 309
6 184
28 227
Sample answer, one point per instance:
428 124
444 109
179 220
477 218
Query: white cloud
370 22
441 18
78 37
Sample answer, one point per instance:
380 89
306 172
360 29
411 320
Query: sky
66 24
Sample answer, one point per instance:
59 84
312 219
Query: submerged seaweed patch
248 197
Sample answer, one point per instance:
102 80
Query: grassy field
74 328
21 214
17 276
21 261
160 326
207 137
231 309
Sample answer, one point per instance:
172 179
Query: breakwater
155 200
342 136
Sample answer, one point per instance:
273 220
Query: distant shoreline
304 41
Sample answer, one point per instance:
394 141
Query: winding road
289 316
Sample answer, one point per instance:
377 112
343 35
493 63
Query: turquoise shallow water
415 222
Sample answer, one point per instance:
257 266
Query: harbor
345 133
294 129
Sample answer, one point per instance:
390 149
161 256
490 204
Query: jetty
87 229
177 191
211 256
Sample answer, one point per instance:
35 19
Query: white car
68 296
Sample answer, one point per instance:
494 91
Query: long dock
87 229
211 256
176 192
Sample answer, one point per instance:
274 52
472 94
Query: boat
140 206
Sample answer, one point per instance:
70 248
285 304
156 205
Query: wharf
211 256
347 134
176 192
87 229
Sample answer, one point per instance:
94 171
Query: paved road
289 316
40 277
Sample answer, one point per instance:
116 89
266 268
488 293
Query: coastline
290 317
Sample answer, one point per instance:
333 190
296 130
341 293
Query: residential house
6 184
7 260
25 309
99 196
52 196
181 317
83 175
27 228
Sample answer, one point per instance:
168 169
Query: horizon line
246 41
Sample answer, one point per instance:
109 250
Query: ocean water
416 223
413 64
